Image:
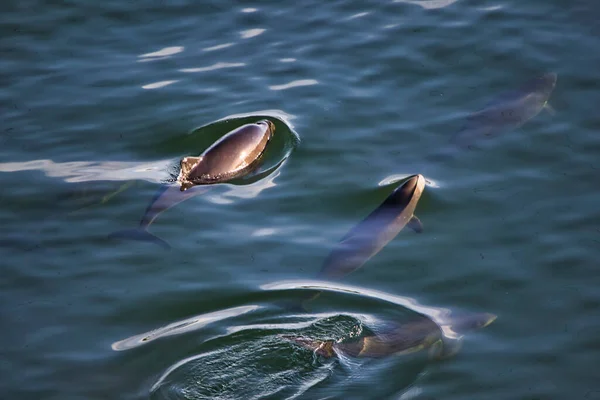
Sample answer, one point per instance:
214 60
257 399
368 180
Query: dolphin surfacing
420 334
235 155
232 156
374 232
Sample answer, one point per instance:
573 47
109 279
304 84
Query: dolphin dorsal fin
549 109
188 163
415 224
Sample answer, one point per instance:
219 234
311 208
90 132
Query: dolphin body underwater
235 155
507 111
420 334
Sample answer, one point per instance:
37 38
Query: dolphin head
410 190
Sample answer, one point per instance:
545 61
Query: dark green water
106 97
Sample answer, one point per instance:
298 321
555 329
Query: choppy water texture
101 100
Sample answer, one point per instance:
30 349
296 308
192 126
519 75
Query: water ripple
437 314
358 15
219 65
160 54
158 85
218 47
250 33
428 4
293 84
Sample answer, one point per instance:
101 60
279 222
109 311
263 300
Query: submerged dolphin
507 111
235 155
403 339
383 224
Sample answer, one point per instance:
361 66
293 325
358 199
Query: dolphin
235 155
420 334
369 236
383 224
232 156
509 110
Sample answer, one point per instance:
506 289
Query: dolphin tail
139 234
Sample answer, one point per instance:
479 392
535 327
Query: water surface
100 100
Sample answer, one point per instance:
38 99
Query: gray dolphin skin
383 224
400 340
235 155
232 156
509 110
505 112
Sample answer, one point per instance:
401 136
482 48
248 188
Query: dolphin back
234 154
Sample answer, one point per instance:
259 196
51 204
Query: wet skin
235 155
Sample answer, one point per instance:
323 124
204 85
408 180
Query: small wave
219 65
279 114
160 54
167 51
428 4
250 33
293 84
218 47
437 314
158 85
